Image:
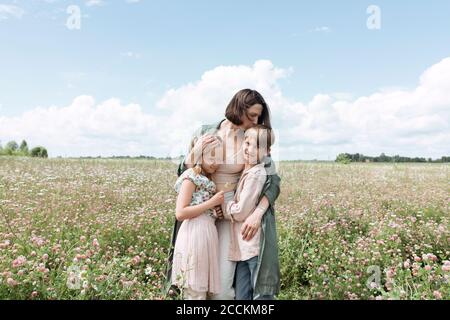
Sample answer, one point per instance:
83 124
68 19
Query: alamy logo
74 20
374 20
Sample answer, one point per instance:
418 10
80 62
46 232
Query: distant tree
384 158
357 157
24 148
40 152
343 158
12 145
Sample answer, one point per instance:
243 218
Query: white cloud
412 122
86 128
7 11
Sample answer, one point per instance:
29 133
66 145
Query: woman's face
251 118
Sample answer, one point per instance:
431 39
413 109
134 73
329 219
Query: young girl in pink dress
195 268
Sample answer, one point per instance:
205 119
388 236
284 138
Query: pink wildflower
437 294
20 261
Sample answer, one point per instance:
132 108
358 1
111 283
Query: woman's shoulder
207 129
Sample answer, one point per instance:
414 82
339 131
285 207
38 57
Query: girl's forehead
250 133
250 130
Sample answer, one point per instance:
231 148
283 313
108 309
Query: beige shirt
243 204
231 160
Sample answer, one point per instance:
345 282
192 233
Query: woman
246 109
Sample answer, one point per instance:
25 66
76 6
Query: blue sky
137 51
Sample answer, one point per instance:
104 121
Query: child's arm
252 223
271 190
185 211
271 193
240 210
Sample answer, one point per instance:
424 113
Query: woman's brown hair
242 101
263 132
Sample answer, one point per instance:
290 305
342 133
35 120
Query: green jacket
268 267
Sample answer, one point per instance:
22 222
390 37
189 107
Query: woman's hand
217 199
200 144
218 213
251 225
203 142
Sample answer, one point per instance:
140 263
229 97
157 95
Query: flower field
100 229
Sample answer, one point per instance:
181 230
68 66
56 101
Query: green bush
40 152
343 158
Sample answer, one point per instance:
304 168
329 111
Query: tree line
127 157
12 148
358 157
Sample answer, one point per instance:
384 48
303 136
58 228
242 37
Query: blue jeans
245 280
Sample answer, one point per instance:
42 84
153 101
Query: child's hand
218 198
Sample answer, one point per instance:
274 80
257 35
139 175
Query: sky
130 77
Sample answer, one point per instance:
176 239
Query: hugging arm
270 194
240 210
186 211
273 191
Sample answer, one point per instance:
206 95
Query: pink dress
196 259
